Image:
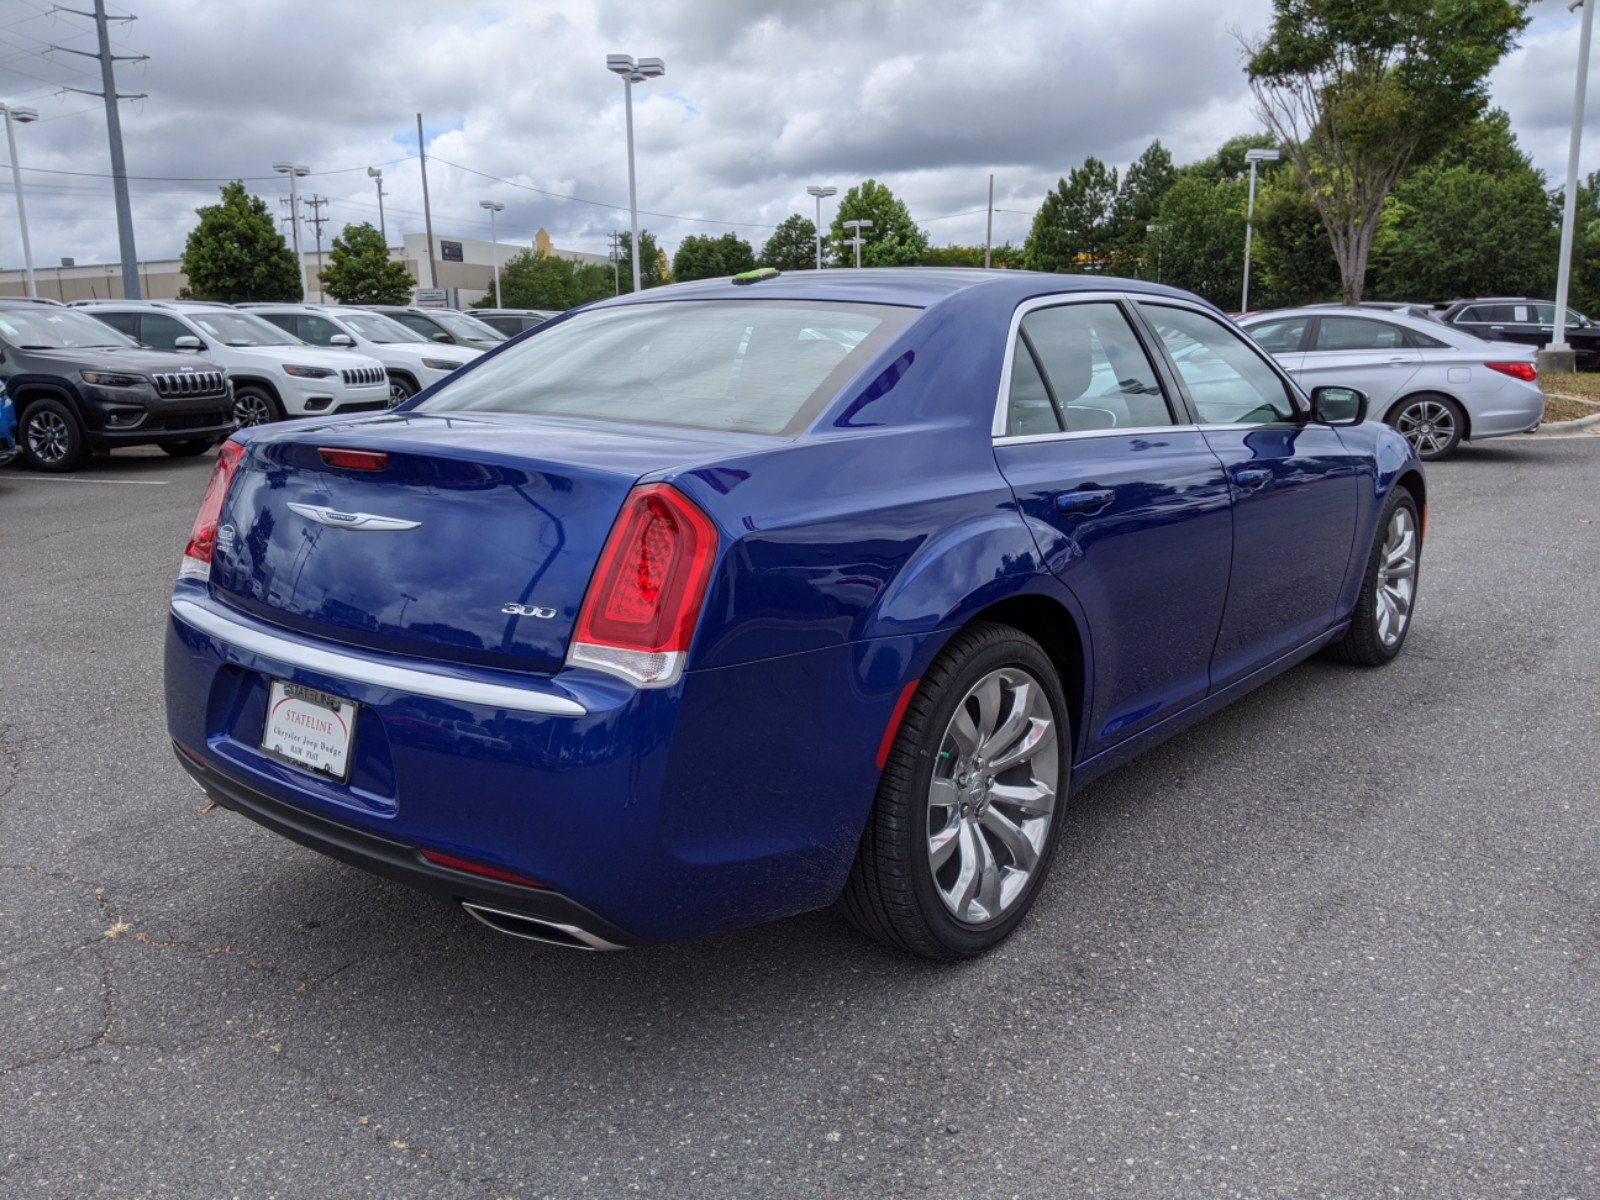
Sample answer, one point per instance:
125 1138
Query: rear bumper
736 796
1515 408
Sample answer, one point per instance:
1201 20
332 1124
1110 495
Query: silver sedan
1436 384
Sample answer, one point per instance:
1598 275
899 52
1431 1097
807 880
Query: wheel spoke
1023 856
1033 800
989 880
989 698
943 793
1015 723
963 732
1029 744
943 844
967 880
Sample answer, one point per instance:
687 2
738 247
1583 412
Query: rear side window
1087 365
1354 333
1279 337
1227 378
759 366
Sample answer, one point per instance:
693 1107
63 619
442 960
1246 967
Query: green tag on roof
758 274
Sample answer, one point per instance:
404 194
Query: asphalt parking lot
1337 941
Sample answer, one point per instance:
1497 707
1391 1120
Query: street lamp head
858 224
621 64
492 205
652 68
635 72
286 168
821 193
1257 156
22 116
374 172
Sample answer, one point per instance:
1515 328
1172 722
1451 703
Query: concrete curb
1577 425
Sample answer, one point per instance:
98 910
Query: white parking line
79 479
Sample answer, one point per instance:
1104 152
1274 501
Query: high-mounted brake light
203 538
354 460
643 602
1524 371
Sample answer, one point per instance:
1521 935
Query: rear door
1294 485
1359 352
1127 502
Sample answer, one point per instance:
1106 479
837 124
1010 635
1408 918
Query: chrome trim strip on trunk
345 664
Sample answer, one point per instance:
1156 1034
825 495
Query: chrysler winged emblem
335 519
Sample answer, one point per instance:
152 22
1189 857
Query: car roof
29 300
1430 326
915 287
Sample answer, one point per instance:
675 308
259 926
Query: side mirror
187 342
341 339
1338 405
443 337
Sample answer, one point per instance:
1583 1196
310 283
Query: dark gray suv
80 386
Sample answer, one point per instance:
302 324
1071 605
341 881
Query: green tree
1291 260
531 280
1585 294
1003 256
701 256
237 253
360 271
1475 220
651 271
792 246
1146 183
1359 92
1076 228
1202 237
894 239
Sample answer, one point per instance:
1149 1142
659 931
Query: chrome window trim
1297 394
344 664
1027 439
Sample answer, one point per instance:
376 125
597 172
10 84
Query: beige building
461 262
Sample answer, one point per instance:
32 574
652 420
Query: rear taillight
644 600
203 539
1524 371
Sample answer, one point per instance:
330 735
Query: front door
1129 506
1295 490
1359 352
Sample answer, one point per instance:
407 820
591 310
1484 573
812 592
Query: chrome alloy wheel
48 437
251 409
993 795
398 392
1397 577
1428 425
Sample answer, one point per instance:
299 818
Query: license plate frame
309 729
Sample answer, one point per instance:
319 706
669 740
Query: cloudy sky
759 100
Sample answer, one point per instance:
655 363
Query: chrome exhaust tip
535 929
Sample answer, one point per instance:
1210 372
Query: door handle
1088 500
1397 361
1250 478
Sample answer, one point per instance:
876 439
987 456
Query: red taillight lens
644 600
472 868
1524 371
355 460
203 538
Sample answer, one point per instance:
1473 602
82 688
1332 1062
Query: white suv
412 361
274 374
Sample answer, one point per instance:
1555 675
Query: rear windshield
759 366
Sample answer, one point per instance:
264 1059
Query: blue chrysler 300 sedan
717 603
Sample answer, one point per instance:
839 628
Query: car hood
415 352
124 358
305 356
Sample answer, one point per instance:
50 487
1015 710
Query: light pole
295 171
376 175
855 238
633 72
1560 352
819 193
494 206
20 116
1157 229
1252 157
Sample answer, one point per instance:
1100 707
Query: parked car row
1436 382
183 374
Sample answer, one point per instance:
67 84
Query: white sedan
1437 384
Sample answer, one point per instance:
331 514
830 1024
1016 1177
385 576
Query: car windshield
57 329
468 327
755 366
378 328
241 329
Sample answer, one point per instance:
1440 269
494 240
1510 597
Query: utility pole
119 167
317 221
376 175
427 212
1558 355
616 262
988 230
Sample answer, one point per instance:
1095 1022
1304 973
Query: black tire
51 438
189 449
401 389
254 405
1433 424
1364 644
891 895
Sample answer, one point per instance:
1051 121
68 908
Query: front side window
1088 365
1230 383
161 332
468 327
422 325
240 329
318 331
1357 333
759 366
1279 337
